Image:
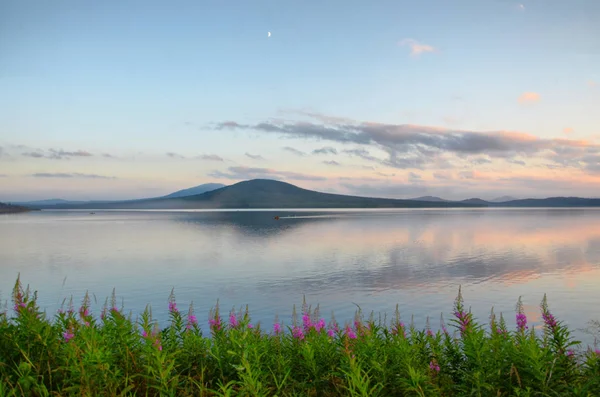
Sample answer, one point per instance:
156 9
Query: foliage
79 354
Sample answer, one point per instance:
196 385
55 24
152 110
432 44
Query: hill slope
207 187
263 193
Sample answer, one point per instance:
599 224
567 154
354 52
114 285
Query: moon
268 34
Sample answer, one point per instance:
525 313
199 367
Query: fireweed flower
191 321
215 323
429 333
433 366
350 333
521 322
68 335
233 321
570 353
306 322
297 333
320 325
277 328
331 333
173 307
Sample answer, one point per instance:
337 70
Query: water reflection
376 259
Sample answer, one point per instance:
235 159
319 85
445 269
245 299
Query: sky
458 99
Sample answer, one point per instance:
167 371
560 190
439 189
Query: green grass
78 354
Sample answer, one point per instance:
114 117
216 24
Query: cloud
568 131
36 155
244 173
419 147
529 97
592 83
331 162
416 48
325 150
3 176
210 157
254 156
362 153
108 156
54 154
442 176
384 174
70 175
414 177
1 151
481 161
175 155
294 151
518 162
521 7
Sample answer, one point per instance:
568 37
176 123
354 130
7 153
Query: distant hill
503 199
264 193
555 202
429 198
476 201
12 209
207 187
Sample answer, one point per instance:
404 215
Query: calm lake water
376 259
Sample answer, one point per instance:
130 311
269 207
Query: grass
78 354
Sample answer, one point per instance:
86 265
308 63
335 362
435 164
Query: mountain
263 193
207 187
12 209
503 199
430 199
475 201
50 202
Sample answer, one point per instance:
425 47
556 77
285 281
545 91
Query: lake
338 259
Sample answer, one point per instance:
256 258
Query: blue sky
120 99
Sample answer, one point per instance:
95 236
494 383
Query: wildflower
233 321
68 335
444 329
84 311
277 328
173 307
522 322
297 333
87 323
331 333
145 334
350 333
434 366
320 325
570 353
250 326
191 321
158 345
215 323
306 322
597 351
429 333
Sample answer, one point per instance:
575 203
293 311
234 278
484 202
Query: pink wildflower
306 322
350 333
297 333
173 307
521 322
434 366
215 323
233 321
68 335
320 325
191 321
331 333
277 328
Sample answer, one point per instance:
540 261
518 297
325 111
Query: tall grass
79 354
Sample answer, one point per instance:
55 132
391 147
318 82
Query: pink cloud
529 97
568 131
417 48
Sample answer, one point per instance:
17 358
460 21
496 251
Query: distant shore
13 209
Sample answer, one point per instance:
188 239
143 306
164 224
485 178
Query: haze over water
374 259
